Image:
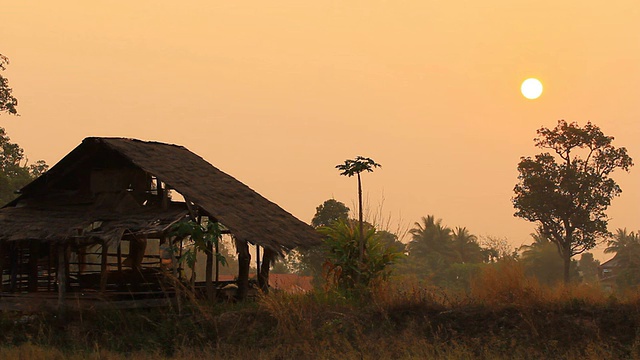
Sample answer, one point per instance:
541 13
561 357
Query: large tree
8 102
568 189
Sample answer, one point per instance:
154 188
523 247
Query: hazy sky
276 93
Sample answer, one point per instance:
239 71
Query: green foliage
434 248
203 237
328 212
357 165
309 261
542 261
568 192
588 267
8 102
14 171
626 246
343 267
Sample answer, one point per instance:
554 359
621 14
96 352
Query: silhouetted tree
8 102
569 197
588 267
542 261
328 212
355 167
626 246
466 246
431 249
14 170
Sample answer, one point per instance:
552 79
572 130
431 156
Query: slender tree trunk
567 267
360 224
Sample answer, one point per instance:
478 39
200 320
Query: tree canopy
328 212
8 102
568 191
14 170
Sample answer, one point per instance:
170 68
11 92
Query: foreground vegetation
504 315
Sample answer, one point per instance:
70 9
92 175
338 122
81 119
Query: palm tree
626 246
621 240
466 245
542 260
355 167
431 243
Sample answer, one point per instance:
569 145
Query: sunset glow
277 93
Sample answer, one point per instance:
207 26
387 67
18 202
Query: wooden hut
99 222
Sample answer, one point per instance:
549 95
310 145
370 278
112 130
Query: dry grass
505 315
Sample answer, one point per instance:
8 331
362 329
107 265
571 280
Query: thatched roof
84 222
248 216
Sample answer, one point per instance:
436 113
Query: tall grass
504 315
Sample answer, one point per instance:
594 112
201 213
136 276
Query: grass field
503 316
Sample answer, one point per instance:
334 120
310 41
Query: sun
531 88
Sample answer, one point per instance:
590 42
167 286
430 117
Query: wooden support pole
33 266
263 274
257 260
3 254
244 261
103 267
209 272
217 261
119 254
50 268
62 277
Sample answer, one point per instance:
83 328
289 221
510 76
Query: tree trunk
360 225
567 267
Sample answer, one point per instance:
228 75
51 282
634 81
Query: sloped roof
248 215
59 223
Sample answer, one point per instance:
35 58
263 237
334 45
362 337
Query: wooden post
209 272
50 267
257 260
33 266
244 261
103 267
263 275
62 277
119 251
3 254
217 261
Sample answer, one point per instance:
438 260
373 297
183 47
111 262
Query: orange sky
276 93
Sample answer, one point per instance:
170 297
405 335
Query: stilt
33 266
62 278
103 267
209 272
263 274
244 261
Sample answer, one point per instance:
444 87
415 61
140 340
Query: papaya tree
350 168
